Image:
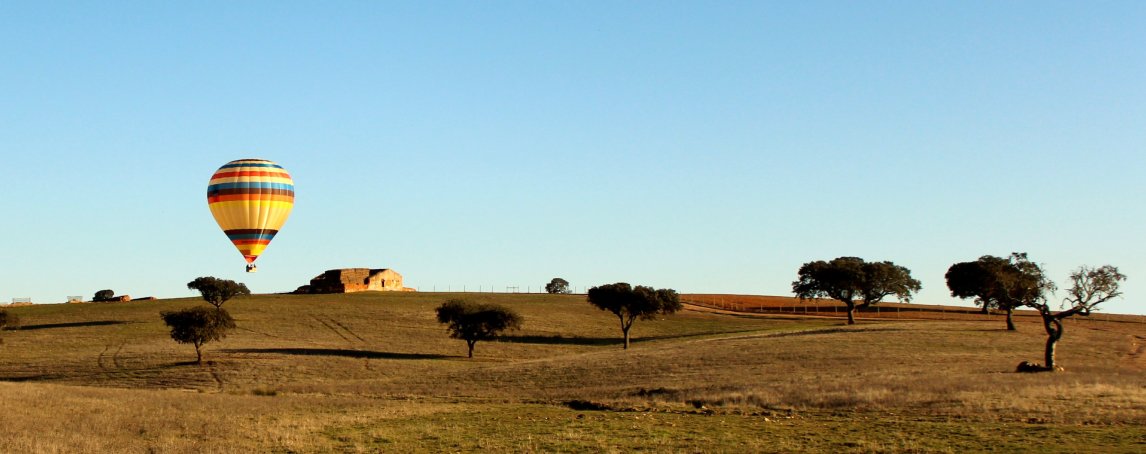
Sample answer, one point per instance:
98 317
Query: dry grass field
374 372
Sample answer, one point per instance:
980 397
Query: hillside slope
339 372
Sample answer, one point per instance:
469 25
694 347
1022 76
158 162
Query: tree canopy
8 319
103 295
557 285
217 291
629 303
848 279
999 283
473 322
198 326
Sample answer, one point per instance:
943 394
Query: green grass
374 371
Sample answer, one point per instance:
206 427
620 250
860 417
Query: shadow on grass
33 378
840 329
617 340
71 325
561 340
336 352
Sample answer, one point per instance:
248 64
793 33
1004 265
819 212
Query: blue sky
702 146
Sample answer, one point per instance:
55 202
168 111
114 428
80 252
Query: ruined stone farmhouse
350 280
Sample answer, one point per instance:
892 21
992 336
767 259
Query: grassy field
374 372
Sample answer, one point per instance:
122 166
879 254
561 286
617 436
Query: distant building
350 280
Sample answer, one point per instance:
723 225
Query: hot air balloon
250 199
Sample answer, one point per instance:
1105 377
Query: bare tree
1089 287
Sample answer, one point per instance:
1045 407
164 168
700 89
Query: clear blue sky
702 146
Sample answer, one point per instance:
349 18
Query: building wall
350 280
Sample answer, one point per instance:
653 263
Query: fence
465 288
892 311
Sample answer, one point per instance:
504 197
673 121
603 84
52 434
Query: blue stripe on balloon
249 185
252 236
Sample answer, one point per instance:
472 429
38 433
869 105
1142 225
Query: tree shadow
34 378
70 325
335 352
181 364
839 329
596 341
562 340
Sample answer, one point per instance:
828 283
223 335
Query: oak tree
848 279
629 303
217 291
557 285
198 326
999 283
473 322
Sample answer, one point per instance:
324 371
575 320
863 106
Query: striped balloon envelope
250 199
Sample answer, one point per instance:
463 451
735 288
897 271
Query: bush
104 295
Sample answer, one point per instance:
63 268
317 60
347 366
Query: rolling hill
374 371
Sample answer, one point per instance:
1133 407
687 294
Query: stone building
349 280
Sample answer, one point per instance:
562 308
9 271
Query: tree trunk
198 354
625 328
1053 335
851 312
470 344
1010 319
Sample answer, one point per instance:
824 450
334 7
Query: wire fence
465 288
822 308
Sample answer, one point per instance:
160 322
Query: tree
198 325
629 303
473 322
1089 288
981 280
976 280
1024 283
8 320
847 279
557 285
217 291
103 295
999 283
